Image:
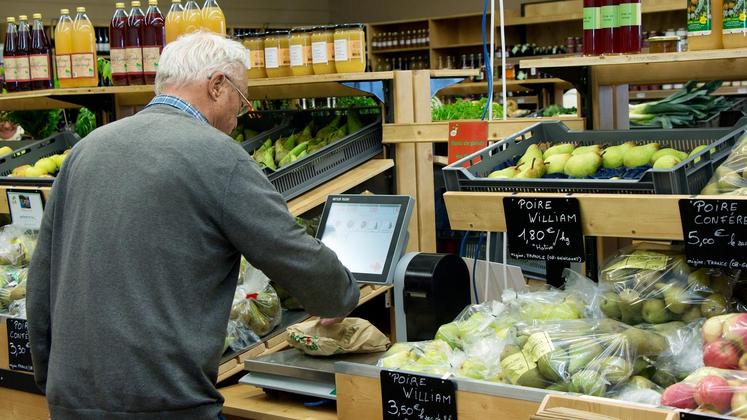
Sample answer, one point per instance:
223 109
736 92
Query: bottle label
23 68
319 52
355 49
592 18
341 50
699 18
10 69
297 55
119 61
735 17
629 14
257 59
609 17
151 56
39 67
64 67
271 58
134 60
84 66
284 57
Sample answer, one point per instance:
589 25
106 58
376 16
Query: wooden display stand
580 407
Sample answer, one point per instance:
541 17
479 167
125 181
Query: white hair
197 56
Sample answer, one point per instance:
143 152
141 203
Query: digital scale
369 235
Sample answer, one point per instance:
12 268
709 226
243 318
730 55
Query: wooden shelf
460 45
634 59
604 215
322 78
342 183
660 94
399 50
245 401
435 74
472 88
72 97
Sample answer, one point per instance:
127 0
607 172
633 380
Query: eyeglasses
246 104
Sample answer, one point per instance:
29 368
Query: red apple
712 328
735 329
679 396
721 354
713 393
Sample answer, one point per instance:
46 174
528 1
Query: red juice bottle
605 43
9 55
154 33
117 53
134 45
592 22
628 32
23 66
40 58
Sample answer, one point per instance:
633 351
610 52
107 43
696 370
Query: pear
668 152
713 305
612 157
534 169
676 299
655 312
699 281
594 148
730 181
630 306
639 155
533 153
610 305
582 165
509 172
581 354
697 150
554 365
556 163
667 162
588 382
34 172
5 150
711 189
693 314
558 149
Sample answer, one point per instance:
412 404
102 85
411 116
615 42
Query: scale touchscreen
361 234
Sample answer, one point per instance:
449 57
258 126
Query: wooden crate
585 407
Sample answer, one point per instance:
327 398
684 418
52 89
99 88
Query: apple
743 362
721 354
739 404
735 329
679 395
713 393
712 328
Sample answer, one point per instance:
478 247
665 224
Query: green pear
640 155
610 305
615 369
509 350
692 314
680 269
667 162
699 281
668 152
588 382
533 153
721 284
612 157
594 148
643 366
631 305
534 169
713 305
655 312
581 354
509 172
558 149
640 382
583 165
556 163
711 189
532 379
663 378
730 181
450 334
560 387
676 299
554 365
696 150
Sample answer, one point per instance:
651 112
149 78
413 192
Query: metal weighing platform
293 371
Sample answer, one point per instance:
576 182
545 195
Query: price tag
715 232
742 91
520 100
544 229
19 349
409 396
640 95
466 138
26 208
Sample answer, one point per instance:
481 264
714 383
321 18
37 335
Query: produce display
465 109
710 391
731 177
725 342
17 244
683 108
566 160
43 168
653 284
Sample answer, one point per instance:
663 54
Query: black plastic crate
29 154
326 163
266 123
688 177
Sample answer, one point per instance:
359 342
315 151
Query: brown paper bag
352 335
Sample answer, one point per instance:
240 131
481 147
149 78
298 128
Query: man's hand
326 322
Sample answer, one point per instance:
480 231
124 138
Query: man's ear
215 85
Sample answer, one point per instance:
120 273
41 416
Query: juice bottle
704 24
23 66
117 45
213 19
605 41
735 24
40 57
153 41
134 45
627 35
174 21
192 18
63 40
592 25
9 55
83 57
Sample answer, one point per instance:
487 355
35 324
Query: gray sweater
131 284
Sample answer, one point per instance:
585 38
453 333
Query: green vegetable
105 71
555 110
681 109
39 124
85 123
462 110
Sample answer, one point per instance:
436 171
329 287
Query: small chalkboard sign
409 396
694 415
544 228
715 232
19 349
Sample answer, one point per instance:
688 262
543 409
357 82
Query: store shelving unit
660 94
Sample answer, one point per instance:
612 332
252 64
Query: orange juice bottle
63 40
213 19
174 21
85 69
192 20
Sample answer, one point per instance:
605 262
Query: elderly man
131 284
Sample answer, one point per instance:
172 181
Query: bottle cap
37 16
80 9
10 19
176 1
119 5
152 2
135 3
23 17
64 11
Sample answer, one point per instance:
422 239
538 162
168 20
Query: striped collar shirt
180 104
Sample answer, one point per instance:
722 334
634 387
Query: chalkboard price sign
19 349
715 232
408 396
544 228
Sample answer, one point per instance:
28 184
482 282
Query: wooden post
405 155
424 164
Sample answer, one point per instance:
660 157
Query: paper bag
352 335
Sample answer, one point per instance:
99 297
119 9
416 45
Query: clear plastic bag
710 390
430 357
14 288
256 305
239 336
573 302
17 245
652 283
476 323
731 177
725 341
